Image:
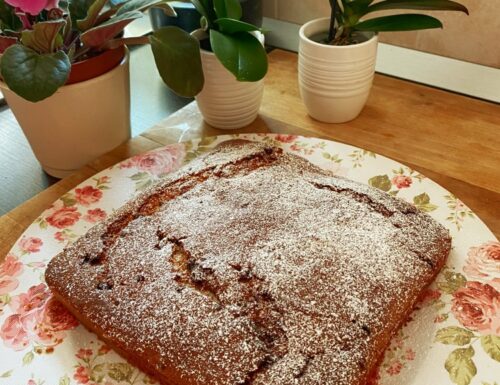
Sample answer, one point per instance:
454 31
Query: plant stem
332 32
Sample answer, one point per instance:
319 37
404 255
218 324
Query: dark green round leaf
34 76
177 57
241 53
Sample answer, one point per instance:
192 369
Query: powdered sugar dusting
251 266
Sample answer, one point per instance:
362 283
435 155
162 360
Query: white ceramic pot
224 102
77 124
334 81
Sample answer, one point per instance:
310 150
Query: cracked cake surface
250 266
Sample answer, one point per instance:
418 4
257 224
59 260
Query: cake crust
250 266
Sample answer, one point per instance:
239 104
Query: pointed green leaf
241 53
491 345
64 380
177 57
460 366
28 357
407 22
232 26
228 8
454 335
144 5
382 182
92 15
33 76
6 374
431 5
45 37
97 36
421 199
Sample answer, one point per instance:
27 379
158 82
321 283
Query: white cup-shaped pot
334 81
77 124
225 102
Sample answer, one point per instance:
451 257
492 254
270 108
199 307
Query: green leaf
97 36
28 357
6 374
228 8
64 380
143 5
8 18
422 202
454 335
45 37
120 371
431 5
177 57
139 176
382 182
491 345
241 53
454 281
68 200
460 366
32 76
232 26
407 22
205 8
92 15
78 9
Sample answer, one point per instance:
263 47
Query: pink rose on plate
477 307
34 299
483 263
13 332
395 368
402 181
94 216
38 318
83 354
53 320
9 269
88 195
64 217
33 7
81 375
30 244
158 162
286 138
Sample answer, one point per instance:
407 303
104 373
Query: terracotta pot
82 120
225 102
334 81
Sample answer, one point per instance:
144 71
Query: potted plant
226 69
337 54
65 74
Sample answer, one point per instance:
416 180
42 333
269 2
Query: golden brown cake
252 267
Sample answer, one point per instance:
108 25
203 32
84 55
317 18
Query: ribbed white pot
77 124
225 102
334 81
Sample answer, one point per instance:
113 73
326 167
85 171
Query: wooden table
452 139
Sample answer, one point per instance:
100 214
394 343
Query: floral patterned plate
453 337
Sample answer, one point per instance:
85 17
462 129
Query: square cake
250 266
